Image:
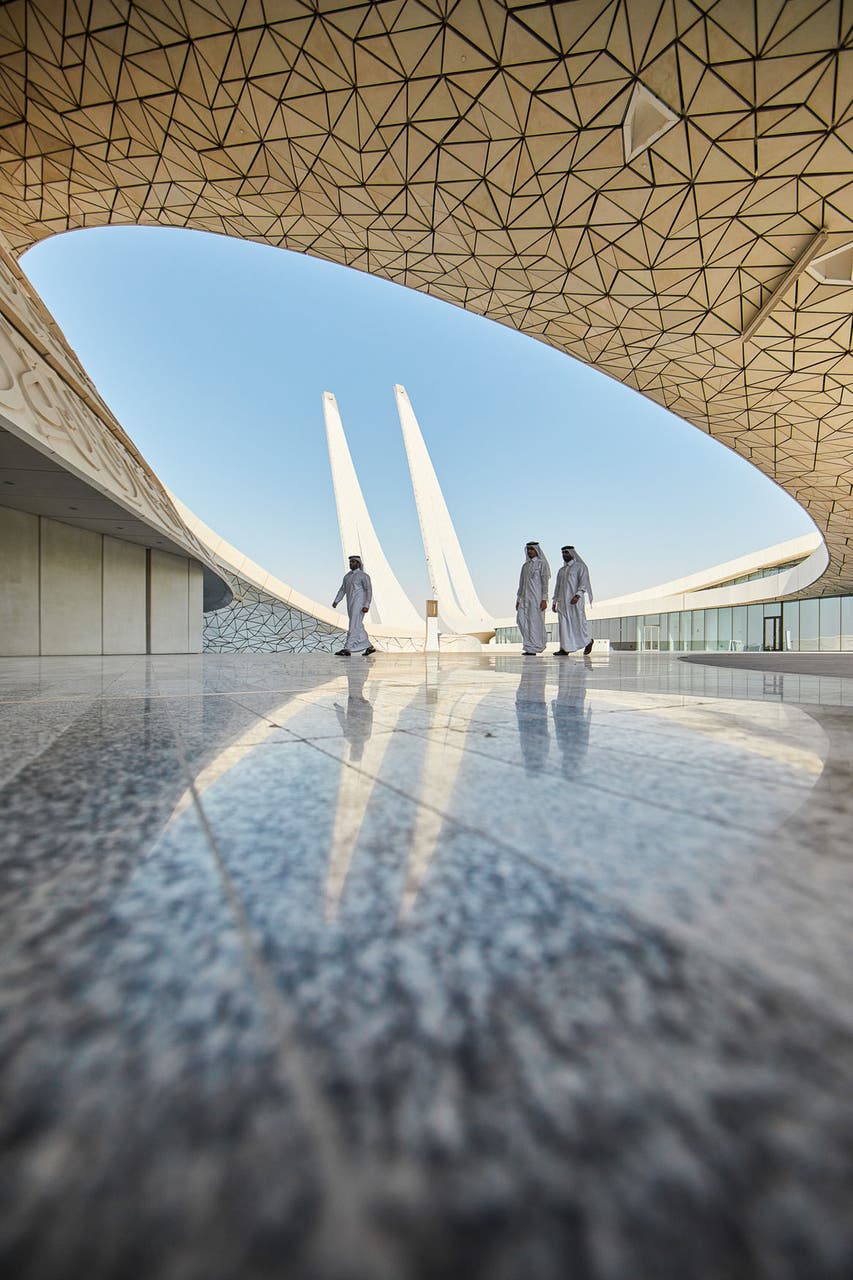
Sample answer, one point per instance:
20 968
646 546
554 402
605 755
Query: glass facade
847 623
829 624
759 573
791 624
807 625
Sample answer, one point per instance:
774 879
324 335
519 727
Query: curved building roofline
554 170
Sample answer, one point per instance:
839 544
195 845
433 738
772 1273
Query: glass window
830 624
710 629
809 625
791 624
754 627
686 623
697 629
629 632
773 609
739 627
847 624
671 631
724 629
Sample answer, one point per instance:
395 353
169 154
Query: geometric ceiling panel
635 182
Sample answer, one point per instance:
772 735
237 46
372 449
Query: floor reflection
356 717
572 715
519 961
360 768
532 716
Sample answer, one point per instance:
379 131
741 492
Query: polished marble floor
500 968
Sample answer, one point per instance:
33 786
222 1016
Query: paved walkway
803 664
504 968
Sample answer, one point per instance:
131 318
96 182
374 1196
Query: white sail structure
391 606
459 606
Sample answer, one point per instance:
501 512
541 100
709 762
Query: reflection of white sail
438 778
259 732
458 602
360 768
354 791
391 606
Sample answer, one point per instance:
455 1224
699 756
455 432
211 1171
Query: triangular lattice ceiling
476 150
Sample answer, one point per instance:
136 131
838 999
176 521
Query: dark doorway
773 635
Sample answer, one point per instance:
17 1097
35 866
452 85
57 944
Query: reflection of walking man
357 588
356 719
572 717
532 599
569 590
532 713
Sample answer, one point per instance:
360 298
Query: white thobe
572 580
532 590
357 588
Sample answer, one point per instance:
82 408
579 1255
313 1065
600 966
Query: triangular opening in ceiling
835 267
646 120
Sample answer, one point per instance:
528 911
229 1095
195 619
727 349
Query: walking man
357 588
532 599
569 590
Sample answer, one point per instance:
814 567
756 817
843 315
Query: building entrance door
772 634
651 638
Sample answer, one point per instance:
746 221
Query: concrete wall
125 589
175 590
19 582
65 590
195 623
71 597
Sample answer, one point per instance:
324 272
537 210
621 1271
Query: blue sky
213 354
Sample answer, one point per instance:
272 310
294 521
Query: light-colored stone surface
19 582
124 597
169 603
801 664
195 599
413 967
71 589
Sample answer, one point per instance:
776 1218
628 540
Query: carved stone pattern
255 622
42 408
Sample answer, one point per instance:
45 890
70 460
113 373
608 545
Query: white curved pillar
391 606
458 603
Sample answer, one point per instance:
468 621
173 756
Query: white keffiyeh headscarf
541 554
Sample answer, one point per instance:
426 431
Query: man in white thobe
571 587
532 600
357 588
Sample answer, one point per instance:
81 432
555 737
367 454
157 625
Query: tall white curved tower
458 603
391 606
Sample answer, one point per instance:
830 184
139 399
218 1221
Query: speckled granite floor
504 968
